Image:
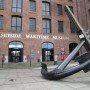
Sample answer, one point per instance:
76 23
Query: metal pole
69 58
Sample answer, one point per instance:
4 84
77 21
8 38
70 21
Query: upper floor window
89 14
70 0
60 26
59 9
72 28
16 24
71 7
33 5
16 5
32 24
46 8
88 0
1 4
1 22
46 25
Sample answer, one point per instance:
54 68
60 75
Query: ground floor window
15 51
47 51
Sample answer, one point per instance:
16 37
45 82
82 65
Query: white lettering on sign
2 35
60 38
33 36
30 36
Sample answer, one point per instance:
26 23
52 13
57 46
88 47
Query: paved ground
31 79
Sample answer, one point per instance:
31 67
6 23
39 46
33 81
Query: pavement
31 79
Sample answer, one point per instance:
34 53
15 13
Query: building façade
38 29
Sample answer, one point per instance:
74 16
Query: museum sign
33 36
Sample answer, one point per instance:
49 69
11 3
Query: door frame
16 48
47 49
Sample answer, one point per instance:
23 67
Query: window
47 45
46 26
1 22
88 0
1 4
16 5
15 44
32 24
59 9
16 23
72 28
46 8
89 14
71 8
32 5
60 26
70 0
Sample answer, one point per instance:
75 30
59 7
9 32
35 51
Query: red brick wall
36 43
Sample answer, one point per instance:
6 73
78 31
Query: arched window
47 45
45 8
15 44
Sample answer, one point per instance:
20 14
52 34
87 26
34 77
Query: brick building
39 28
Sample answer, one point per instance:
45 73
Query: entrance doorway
72 47
15 52
47 52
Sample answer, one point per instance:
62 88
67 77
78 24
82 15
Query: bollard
30 62
3 56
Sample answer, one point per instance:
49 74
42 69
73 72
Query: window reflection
16 5
46 26
16 23
46 8
47 45
15 45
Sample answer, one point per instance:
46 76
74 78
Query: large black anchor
84 60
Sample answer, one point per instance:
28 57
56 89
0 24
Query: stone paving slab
31 79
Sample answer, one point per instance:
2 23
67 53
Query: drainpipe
85 3
77 10
78 17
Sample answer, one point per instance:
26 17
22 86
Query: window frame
89 13
16 26
2 5
71 8
48 23
72 29
70 0
59 6
17 7
1 22
34 2
60 30
32 30
46 12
